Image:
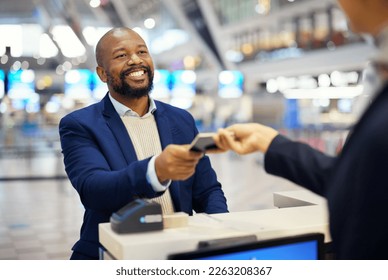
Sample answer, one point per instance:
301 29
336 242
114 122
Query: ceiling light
149 23
95 3
325 92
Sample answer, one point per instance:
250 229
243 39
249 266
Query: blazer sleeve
100 186
299 163
208 195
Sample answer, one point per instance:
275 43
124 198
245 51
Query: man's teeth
136 74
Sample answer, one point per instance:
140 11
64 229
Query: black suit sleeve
299 163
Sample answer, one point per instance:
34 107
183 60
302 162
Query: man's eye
120 55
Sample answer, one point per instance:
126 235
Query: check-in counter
297 198
265 224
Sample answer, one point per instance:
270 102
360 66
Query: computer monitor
300 247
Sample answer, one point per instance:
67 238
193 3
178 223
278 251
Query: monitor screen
183 84
99 88
161 84
21 84
300 247
2 83
21 91
183 88
78 83
230 84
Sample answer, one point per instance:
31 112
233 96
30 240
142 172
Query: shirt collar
123 110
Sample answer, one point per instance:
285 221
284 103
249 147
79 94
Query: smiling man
130 146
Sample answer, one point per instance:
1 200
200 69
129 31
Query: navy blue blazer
101 164
355 183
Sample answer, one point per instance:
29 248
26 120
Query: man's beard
123 88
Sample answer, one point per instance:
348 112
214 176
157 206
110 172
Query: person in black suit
355 182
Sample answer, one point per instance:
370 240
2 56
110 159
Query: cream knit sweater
145 139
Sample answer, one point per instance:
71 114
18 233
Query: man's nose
134 59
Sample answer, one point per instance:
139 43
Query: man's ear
101 73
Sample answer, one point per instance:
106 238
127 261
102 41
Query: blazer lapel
118 129
165 135
163 124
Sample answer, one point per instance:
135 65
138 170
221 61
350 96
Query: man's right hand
176 162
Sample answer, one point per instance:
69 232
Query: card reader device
137 216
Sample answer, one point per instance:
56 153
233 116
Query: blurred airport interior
290 64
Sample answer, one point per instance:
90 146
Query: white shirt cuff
152 178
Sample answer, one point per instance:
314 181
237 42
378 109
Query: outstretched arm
297 162
245 138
